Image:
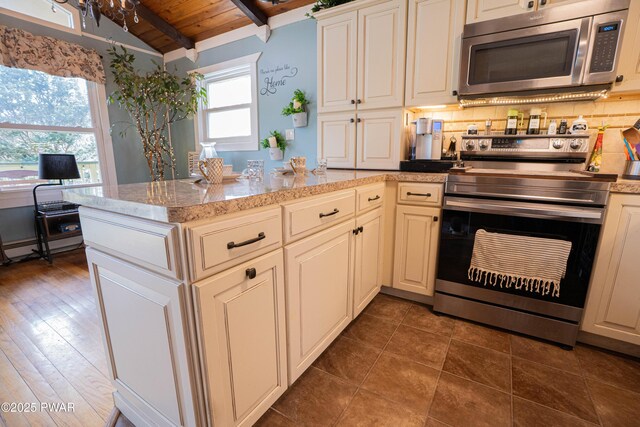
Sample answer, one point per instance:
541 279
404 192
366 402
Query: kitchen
461 262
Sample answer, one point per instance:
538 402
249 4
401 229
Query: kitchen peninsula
192 280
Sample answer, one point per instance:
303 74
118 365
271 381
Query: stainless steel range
519 234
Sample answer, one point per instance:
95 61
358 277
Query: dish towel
506 260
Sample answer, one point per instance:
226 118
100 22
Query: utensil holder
632 170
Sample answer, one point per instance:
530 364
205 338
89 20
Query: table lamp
55 166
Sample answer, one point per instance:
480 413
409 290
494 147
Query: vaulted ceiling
167 25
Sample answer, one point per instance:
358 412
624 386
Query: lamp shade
57 166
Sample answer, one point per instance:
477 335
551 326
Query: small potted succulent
296 109
276 144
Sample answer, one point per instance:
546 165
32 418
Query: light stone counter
183 200
628 186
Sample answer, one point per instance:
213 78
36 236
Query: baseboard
609 344
26 247
424 299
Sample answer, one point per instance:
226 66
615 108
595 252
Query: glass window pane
40 9
233 91
225 124
19 153
32 97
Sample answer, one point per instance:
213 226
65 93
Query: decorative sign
276 77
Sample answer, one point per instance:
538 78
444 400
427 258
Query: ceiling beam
249 8
164 27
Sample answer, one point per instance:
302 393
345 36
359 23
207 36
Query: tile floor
398 364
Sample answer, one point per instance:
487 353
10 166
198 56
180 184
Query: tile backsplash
618 114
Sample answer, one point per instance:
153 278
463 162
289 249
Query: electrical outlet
290 134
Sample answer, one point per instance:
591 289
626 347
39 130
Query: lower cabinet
368 259
613 305
319 274
242 331
416 248
144 324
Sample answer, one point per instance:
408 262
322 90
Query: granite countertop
183 200
630 186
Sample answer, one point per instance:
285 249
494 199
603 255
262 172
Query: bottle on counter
472 129
553 128
534 121
562 128
579 126
487 127
512 122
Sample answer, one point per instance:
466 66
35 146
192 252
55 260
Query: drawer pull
335 211
435 219
371 199
251 273
232 245
409 193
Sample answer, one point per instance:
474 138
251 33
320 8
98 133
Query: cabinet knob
530 5
353 101
619 78
361 229
435 219
359 120
251 273
543 2
351 120
359 101
356 231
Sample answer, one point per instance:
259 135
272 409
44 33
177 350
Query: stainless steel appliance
556 49
429 134
564 209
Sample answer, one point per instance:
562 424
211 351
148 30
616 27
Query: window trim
244 143
21 196
75 17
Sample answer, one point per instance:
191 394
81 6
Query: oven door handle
533 210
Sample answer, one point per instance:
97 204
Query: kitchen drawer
307 217
149 244
412 193
369 197
216 246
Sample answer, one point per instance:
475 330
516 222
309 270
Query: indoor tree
154 100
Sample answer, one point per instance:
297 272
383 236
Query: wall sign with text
275 77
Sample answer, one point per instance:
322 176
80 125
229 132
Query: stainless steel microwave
559 48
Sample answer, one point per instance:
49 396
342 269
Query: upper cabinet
483 10
361 56
432 68
629 62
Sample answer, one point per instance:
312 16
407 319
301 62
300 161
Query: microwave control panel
605 46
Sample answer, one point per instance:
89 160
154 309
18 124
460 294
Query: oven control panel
514 144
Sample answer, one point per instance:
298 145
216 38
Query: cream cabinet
362 140
433 68
613 304
483 10
241 319
319 280
416 247
629 62
361 48
369 247
144 318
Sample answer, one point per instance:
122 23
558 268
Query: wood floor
51 350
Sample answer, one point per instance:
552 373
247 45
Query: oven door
541 57
459 227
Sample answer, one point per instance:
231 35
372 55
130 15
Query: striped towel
506 260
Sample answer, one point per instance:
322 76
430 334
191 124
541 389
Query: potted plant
276 144
154 100
325 4
296 108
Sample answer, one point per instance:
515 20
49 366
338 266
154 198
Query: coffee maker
425 151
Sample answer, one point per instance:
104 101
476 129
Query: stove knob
470 145
558 143
484 144
575 144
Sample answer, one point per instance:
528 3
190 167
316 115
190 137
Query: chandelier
118 10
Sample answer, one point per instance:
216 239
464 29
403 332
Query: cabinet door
613 305
629 62
319 299
144 320
417 231
337 139
381 49
546 4
337 44
433 68
368 264
241 316
379 139
482 10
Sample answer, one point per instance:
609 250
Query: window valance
21 49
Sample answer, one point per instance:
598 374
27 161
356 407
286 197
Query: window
41 113
44 12
230 115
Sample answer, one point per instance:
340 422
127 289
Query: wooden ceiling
196 20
